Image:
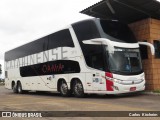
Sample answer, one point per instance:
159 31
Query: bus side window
60 39
94 56
97 61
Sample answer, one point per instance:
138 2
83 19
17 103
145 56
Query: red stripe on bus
109 85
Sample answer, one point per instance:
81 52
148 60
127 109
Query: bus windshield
125 61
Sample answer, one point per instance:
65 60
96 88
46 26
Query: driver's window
94 56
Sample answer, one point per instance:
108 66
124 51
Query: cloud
22 21
25 20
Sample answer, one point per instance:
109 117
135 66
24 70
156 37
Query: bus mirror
150 45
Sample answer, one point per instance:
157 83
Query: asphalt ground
44 101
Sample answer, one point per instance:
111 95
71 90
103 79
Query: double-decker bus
91 56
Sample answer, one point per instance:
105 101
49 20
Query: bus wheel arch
77 87
62 87
12 84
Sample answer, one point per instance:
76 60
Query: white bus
90 56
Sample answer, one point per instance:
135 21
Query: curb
151 93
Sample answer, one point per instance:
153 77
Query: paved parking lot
54 102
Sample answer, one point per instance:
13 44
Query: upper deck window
60 39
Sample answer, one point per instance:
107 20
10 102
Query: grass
156 91
1 83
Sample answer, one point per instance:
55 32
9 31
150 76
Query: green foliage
156 91
1 82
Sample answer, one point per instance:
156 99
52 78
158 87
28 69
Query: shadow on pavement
96 96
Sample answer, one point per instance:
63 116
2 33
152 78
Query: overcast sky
22 21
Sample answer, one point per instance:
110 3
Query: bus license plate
132 88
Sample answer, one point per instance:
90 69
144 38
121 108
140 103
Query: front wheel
64 89
78 89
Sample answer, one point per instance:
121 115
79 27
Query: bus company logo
52 68
6 114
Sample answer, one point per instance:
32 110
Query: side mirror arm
150 45
100 41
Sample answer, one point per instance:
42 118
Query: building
143 17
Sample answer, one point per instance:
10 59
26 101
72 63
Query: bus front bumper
119 89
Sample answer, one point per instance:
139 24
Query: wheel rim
19 88
64 88
78 88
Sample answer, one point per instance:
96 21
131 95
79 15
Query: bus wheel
14 88
19 88
78 89
64 89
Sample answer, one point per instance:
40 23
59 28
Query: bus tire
19 88
63 88
14 88
78 90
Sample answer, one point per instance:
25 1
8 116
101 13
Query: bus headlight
115 87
